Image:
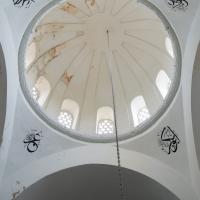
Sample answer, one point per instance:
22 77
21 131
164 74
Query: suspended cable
122 193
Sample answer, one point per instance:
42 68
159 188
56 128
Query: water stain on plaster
67 78
19 191
40 34
91 2
47 29
51 54
15 194
70 8
56 51
46 57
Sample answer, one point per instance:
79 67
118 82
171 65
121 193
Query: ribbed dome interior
88 63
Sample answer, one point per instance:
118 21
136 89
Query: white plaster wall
188 62
179 172
10 53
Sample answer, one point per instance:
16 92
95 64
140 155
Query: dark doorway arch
196 102
3 92
95 182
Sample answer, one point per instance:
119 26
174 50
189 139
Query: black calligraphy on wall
178 4
168 140
32 141
23 3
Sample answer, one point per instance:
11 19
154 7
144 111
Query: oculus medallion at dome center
87 66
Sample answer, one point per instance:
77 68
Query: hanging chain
115 123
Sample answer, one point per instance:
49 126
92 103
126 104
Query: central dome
91 67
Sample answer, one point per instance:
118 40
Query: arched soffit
95 182
145 165
196 102
3 92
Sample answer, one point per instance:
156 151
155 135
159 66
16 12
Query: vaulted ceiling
100 53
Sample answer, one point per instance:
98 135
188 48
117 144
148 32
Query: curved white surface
100 54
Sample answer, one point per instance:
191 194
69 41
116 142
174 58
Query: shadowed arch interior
95 182
195 102
3 92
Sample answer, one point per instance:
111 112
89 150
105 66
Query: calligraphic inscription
168 140
32 141
23 3
178 4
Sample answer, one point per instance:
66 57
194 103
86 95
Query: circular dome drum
90 68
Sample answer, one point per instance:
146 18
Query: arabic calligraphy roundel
168 140
177 4
32 141
23 3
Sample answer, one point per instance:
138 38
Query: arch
69 113
41 90
163 83
105 121
195 103
167 176
100 178
139 109
3 92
